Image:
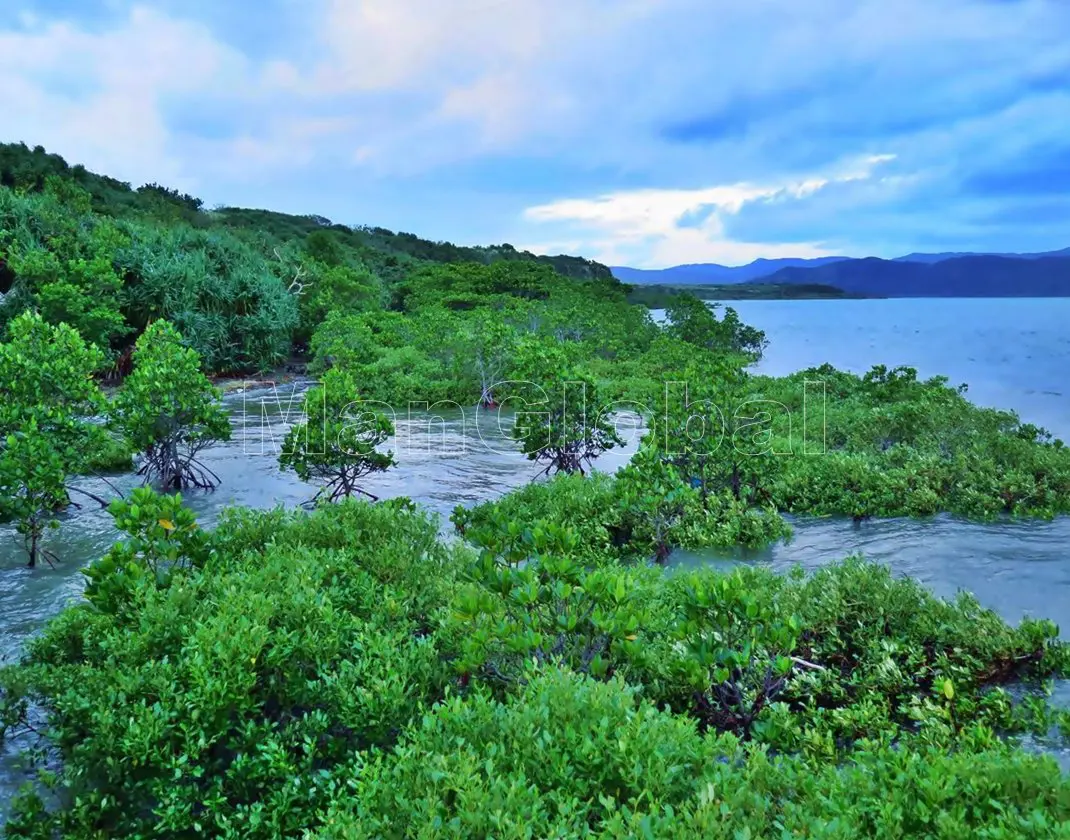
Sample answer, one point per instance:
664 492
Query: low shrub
231 700
570 757
343 673
556 760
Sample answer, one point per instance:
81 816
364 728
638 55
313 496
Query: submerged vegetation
347 672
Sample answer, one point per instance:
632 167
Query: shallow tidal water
1014 354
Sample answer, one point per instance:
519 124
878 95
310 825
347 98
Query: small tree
694 321
338 441
528 598
83 293
32 487
164 539
342 340
566 429
655 502
47 372
735 648
169 411
489 344
721 441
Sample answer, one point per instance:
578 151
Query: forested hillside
243 286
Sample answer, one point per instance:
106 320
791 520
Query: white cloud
467 76
647 228
391 44
591 79
97 96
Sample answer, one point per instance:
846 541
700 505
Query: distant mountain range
713 273
935 258
914 275
973 276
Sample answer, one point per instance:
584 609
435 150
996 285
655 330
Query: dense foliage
345 673
695 322
889 444
110 277
246 287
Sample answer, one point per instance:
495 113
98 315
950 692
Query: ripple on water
1018 568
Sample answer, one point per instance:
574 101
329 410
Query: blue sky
636 132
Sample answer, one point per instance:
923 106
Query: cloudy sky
637 132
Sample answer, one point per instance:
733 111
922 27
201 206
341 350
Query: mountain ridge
763 270
975 275
715 273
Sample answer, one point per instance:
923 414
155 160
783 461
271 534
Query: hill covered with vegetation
243 286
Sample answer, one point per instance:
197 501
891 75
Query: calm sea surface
1014 353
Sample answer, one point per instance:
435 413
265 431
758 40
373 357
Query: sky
646 133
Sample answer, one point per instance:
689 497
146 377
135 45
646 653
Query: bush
642 513
569 757
280 675
557 760
584 505
895 445
890 640
527 597
249 688
229 299
111 278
